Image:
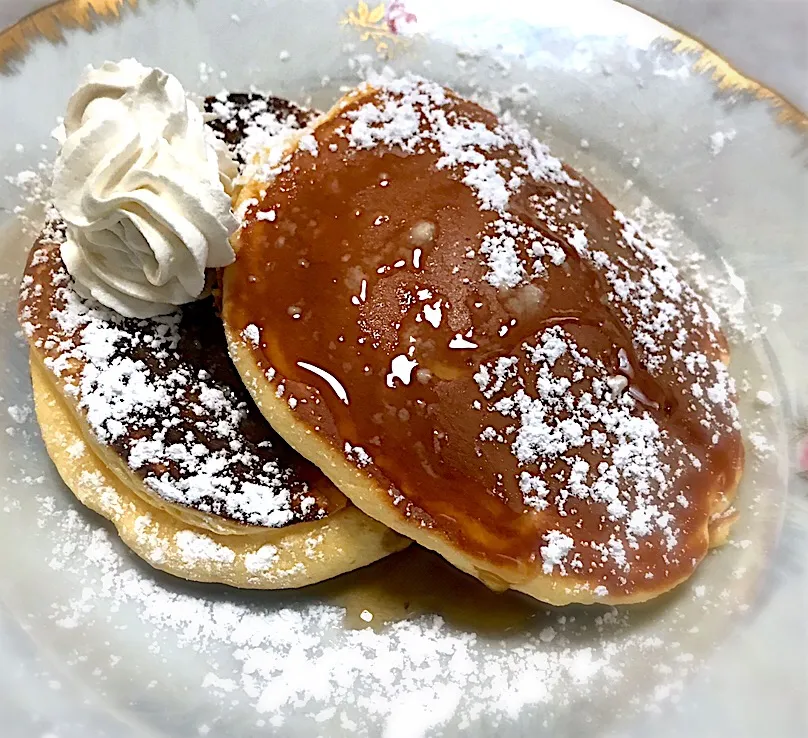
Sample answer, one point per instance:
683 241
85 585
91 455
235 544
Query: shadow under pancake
419 582
402 586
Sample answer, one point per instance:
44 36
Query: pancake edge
344 541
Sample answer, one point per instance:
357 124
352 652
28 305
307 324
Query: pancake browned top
162 392
505 358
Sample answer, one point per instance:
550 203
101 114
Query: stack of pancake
461 341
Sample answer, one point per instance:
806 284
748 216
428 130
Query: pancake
481 353
164 415
282 558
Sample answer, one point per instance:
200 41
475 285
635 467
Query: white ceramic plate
95 643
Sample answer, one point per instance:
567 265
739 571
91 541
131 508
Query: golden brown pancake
266 558
164 414
482 353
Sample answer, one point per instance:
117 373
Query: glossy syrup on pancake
506 360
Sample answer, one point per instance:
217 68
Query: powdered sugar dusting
556 551
261 560
571 420
197 547
409 114
724 291
175 426
252 122
299 661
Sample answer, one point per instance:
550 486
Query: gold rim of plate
50 22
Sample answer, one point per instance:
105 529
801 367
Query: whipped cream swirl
144 187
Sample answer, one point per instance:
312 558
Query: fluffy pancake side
463 334
263 559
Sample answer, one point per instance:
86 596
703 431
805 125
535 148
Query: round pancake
481 352
264 559
160 406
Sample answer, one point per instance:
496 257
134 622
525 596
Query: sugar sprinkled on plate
300 661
